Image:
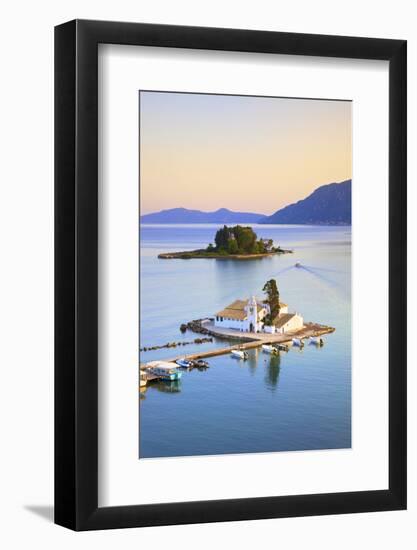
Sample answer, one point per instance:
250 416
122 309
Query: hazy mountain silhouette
329 204
183 215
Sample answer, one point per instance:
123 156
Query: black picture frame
76 273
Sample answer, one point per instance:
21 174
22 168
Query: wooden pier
310 329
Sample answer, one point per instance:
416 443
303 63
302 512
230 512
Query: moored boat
316 340
282 347
200 364
269 349
239 354
298 342
184 363
164 370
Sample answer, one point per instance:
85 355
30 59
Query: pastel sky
252 154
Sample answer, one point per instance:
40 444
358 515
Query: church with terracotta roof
248 315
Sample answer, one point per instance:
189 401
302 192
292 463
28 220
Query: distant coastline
185 215
329 204
323 224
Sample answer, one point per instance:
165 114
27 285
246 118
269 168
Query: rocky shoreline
197 327
177 344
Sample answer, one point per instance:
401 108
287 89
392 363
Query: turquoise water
300 400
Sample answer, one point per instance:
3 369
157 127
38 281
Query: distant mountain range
328 205
182 215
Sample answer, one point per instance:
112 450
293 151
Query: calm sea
300 400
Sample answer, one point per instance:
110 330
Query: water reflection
163 386
252 361
273 369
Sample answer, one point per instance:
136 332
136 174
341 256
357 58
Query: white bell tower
252 314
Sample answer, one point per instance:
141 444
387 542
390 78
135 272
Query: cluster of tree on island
240 240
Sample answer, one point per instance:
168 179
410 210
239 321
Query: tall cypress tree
272 292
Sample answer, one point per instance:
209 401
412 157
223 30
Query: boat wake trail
333 284
314 268
285 270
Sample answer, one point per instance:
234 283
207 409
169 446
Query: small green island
236 243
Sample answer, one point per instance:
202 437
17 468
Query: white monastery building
248 315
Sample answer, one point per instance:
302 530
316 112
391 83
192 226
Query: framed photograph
230 249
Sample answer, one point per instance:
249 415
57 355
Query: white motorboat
316 340
269 349
184 363
239 354
298 342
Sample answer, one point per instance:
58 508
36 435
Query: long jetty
311 329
